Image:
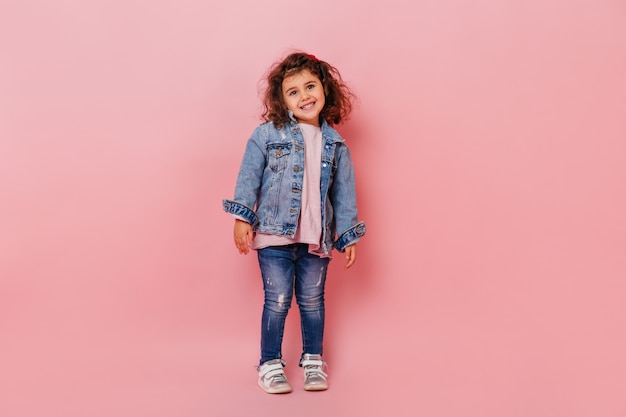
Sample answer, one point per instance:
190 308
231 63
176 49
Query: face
303 94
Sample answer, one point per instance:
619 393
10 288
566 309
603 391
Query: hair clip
313 57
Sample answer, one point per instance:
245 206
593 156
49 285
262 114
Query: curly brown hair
338 97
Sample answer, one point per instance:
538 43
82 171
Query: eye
310 86
292 93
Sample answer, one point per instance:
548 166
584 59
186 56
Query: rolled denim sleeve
343 200
249 179
240 211
350 236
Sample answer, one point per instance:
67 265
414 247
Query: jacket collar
328 132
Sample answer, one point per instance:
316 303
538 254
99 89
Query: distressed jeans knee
278 302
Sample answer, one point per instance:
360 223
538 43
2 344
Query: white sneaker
314 376
272 378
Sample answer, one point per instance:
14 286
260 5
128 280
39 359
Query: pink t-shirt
310 221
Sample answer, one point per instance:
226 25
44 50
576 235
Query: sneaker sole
283 390
315 387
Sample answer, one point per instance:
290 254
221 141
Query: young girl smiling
294 202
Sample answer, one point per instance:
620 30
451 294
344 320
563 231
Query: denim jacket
270 180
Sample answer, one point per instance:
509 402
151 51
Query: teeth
308 106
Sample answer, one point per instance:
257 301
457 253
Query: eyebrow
305 84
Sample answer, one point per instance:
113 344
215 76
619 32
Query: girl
294 202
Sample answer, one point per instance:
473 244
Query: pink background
490 154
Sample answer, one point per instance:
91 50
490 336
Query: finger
350 256
243 247
349 263
240 244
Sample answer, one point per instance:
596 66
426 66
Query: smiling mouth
308 106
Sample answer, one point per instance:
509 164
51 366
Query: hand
350 256
243 235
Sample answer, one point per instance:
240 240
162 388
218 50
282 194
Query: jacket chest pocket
278 156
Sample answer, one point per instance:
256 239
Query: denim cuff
240 211
350 236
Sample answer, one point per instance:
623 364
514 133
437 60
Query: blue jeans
285 268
